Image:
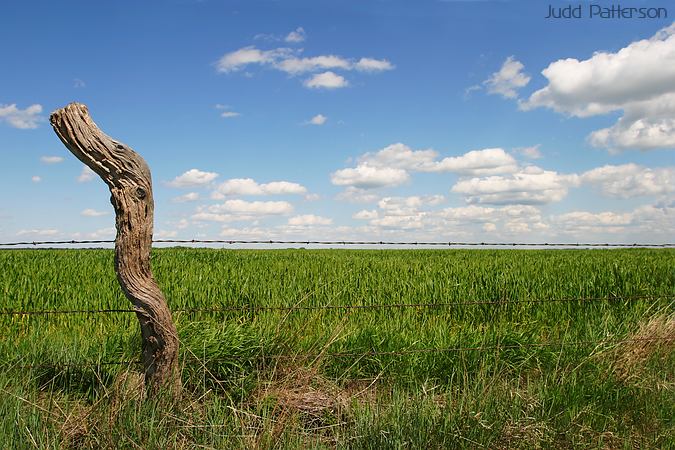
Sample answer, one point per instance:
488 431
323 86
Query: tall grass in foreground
525 389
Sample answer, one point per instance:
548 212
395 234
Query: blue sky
428 120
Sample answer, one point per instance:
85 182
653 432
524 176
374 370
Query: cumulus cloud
86 175
309 220
532 152
400 156
476 162
93 213
508 79
36 179
101 233
23 119
248 186
227 111
319 119
631 180
488 161
471 213
193 178
391 165
357 195
404 206
256 208
238 59
365 214
413 221
326 80
648 221
373 65
166 234
292 62
51 159
531 185
296 36
296 66
38 232
365 176
637 79
189 197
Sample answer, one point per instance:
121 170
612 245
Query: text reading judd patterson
596 11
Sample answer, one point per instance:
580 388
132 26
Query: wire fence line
353 242
371 353
255 308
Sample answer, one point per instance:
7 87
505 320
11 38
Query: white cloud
295 66
296 36
38 232
244 233
326 80
584 222
166 234
365 176
365 214
532 152
319 119
35 179
390 166
291 62
531 185
193 177
229 114
403 206
508 79
631 180
237 206
86 175
224 218
415 221
77 83
638 80
23 119
373 65
400 156
357 195
51 159
639 128
488 161
102 233
489 227
189 197
309 220
93 213
471 213
236 60
248 186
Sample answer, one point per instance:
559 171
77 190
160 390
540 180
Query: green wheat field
509 349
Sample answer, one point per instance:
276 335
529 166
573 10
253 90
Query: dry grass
654 341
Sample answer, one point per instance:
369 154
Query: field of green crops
486 367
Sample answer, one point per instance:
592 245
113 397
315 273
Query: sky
479 121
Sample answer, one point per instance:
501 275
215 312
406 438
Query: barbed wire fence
371 353
353 243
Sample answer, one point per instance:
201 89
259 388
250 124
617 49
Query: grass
525 389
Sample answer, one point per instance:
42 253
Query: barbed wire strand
347 242
302 356
254 308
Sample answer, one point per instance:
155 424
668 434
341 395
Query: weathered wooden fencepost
128 176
